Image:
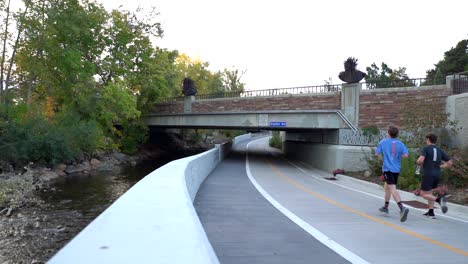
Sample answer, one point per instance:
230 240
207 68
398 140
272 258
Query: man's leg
387 193
429 197
396 196
384 209
430 202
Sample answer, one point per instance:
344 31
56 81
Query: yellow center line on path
399 228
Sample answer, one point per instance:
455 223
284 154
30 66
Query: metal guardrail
460 83
416 82
274 92
328 88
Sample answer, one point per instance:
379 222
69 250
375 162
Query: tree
62 42
7 62
232 80
455 61
197 70
386 77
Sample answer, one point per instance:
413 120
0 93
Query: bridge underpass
279 120
258 207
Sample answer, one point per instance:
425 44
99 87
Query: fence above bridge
316 89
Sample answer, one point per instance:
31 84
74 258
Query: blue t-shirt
392 150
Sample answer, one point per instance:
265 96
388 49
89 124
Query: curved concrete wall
329 157
241 138
154 221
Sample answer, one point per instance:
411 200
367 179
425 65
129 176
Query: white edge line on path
339 249
366 193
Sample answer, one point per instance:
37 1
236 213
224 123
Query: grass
275 140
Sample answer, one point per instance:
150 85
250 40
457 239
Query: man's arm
405 153
378 150
447 164
420 160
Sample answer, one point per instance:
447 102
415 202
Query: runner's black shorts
429 183
391 177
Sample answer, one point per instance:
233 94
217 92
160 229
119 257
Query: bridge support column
188 100
350 101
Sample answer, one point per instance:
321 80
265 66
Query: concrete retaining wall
241 138
457 107
329 157
153 222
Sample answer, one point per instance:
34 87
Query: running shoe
430 215
443 204
384 210
404 214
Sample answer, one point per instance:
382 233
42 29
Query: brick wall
292 102
384 107
169 108
380 107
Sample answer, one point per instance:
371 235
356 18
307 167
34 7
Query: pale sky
298 43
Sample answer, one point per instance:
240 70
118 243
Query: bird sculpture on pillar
188 87
351 74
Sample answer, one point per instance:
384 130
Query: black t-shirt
433 158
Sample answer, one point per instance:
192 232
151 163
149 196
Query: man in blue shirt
392 150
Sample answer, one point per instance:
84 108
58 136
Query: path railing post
188 100
350 93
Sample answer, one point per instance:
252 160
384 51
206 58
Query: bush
38 139
407 179
233 133
133 134
275 140
457 175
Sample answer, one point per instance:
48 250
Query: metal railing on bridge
327 88
416 82
460 83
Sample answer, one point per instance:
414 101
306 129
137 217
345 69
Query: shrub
407 179
374 163
275 140
133 134
233 133
38 139
457 175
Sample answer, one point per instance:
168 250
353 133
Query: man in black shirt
431 159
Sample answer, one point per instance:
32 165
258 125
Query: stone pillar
449 82
188 100
350 93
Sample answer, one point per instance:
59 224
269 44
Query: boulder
60 167
95 163
48 175
79 168
120 157
367 174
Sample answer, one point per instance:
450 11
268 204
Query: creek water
90 195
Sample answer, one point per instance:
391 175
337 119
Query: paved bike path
244 227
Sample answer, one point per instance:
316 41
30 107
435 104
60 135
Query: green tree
455 61
206 81
386 77
62 40
232 80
